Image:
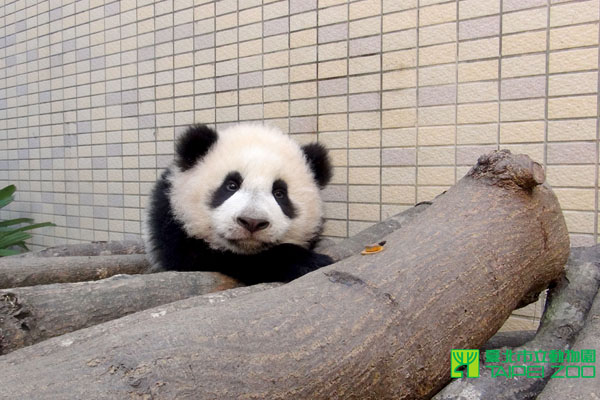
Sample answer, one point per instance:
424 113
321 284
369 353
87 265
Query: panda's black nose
253 225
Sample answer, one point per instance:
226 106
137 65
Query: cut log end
502 167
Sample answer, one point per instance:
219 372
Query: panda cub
244 202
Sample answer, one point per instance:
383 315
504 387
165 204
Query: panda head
248 188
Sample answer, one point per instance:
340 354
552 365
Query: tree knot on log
504 168
344 278
15 320
350 280
11 306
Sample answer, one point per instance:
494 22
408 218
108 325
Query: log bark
373 234
97 332
111 248
579 389
31 314
508 339
564 316
588 338
377 326
19 272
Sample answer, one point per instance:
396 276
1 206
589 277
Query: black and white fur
244 201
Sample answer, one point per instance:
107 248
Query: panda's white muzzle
248 222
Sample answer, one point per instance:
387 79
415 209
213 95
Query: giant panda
244 201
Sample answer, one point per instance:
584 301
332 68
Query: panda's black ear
319 163
193 145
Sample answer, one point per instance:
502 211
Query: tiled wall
406 94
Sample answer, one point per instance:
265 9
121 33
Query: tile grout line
214 66
416 184
137 117
381 13
597 177
457 30
499 78
237 60
347 40
289 68
547 82
155 127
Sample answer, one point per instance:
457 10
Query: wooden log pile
377 326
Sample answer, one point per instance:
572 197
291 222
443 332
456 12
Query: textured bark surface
88 249
31 271
377 326
588 338
355 244
31 314
564 316
508 339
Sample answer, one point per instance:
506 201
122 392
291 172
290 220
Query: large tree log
566 308
31 314
111 248
379 326
18 272
97 332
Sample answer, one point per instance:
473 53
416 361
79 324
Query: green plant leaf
6 201
9 235
8 252
6 195
13 238
7 191
34 226
16 221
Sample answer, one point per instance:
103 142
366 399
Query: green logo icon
461 358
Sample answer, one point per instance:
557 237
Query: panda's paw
322 260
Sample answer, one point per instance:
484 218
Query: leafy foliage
11 236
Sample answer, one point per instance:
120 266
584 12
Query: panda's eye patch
230 185
280 193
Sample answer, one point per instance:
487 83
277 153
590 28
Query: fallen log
111 248
31 314
500 339
377 326
141 317
19 272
